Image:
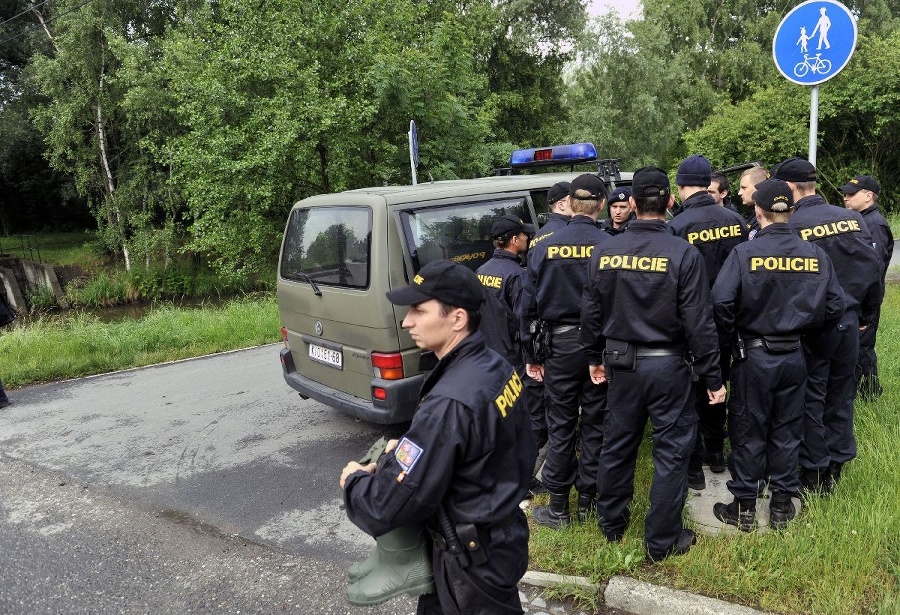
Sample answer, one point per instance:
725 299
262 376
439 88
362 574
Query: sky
626 8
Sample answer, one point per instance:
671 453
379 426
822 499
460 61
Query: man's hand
391 445
355 466
598 374
716 397
535 371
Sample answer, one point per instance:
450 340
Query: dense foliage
186 126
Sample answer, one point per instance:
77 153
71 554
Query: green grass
840 556
77 248
53 349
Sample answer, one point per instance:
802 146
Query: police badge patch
407 454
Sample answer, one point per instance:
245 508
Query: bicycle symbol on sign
816 64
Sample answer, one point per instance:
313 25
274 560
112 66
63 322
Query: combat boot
781 510
587 506
402 566
696 479
556 515
740 513
834 472
715 460
813 482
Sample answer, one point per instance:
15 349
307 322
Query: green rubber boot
401 564
361 569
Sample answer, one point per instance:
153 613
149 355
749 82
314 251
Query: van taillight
284 336
379 393
388 365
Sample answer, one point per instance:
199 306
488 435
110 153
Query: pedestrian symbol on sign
814 41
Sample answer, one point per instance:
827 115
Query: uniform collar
647 225
698 199
561 217
502 253
812 199
470 344
582 219
776 228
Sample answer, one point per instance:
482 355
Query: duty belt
753 342
671 350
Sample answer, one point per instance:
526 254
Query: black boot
740 513
834 473
813 482
781 511
587 506
696 479
685 541
556 515
716 461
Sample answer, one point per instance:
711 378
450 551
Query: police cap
444 280
694 171
650 181
590 183
557 192
861 182
510 224
795 170
619 195
773 195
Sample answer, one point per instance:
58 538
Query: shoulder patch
407 454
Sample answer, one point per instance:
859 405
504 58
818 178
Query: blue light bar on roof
572 153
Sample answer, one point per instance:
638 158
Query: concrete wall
18 275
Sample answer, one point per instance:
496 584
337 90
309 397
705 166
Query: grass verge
840 556
52 349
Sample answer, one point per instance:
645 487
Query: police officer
646 304
719 189
558 204
768 292
501 278
557 267
715 231
619 209
828 441
861 194
749 178
464 464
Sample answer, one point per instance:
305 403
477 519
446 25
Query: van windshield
328 245
459 232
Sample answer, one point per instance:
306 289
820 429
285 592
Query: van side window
331 245
459 232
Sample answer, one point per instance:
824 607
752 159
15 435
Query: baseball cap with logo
619 195
650 181
558 191
861 182
444 280
590 183
795 170
510 224
773 195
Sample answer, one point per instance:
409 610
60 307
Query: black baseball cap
444 280
861 182
557 192
619 195
795 170
773 195
591 183
510 224
650 181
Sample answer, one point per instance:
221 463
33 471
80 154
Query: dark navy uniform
649 288
556 222
831 355
502 278
557 268
867 364
777 286
469 449
715 231
607 225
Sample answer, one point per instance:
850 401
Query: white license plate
320 354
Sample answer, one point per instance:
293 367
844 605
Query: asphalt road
205 485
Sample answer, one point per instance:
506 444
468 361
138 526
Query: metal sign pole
813 123
412 161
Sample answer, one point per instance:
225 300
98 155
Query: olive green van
341 253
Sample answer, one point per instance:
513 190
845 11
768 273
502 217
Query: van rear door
330 295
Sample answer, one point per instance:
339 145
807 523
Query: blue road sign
814 41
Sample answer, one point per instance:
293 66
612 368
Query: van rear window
331 245
460 232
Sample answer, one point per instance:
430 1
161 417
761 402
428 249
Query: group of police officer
636 317
606 329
